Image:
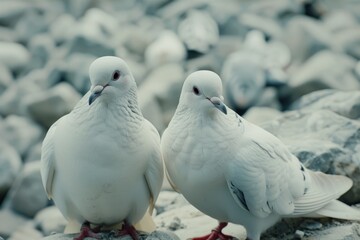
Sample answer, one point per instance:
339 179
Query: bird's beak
96 92
219 104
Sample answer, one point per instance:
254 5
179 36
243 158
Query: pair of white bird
102 163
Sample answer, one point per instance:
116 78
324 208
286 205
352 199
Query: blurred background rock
291 66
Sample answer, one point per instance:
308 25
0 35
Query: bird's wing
265 177
259 170
323 189
48 159
154 174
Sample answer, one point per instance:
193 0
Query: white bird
237 172
101 163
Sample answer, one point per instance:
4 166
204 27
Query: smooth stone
7 34
46 108
10 222
27 195
265 24
21 133
10 164
326 69
198 31
76 71
306 36
160 235
11 11
77 8
259 115
41 47
6 78
167 48
11 100
27 231
50 220
13 55
34 153
188 222
60 28
339 19
345 103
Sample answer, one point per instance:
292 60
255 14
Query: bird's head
110 77
202 92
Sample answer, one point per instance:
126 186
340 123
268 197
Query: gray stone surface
345 103
326 69
6 78
49 106
21 133
50 220
13 55
27 195
160 235
10 222
10 164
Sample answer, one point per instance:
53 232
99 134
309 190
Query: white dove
101 163
237 172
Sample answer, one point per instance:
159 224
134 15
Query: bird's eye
196 90
116 75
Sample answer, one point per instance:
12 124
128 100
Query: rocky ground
291 66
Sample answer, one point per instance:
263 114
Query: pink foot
128 230
216 233
86 231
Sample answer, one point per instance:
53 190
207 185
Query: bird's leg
86 231
128 230
216 233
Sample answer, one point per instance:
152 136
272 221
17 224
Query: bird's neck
117 113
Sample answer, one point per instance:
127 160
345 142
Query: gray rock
13 55
265 24
33 22
49 106
198 31
7 34
348 41
41 47
338 20
34 153
10 163
345 103
167 48
21 133
50 220
188 222
163 85
76 71
11 101
165 199
27 231
259 115
325 69
160 235
311 224
60 28
89 39
10 222
306 36
77 8
323 141
6 78
11 11
27 195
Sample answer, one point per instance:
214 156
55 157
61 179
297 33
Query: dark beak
96 92
218 103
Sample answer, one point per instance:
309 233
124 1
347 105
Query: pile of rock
294 48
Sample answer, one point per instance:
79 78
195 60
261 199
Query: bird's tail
337 209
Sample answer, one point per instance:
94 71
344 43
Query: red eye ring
196 90
116 75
